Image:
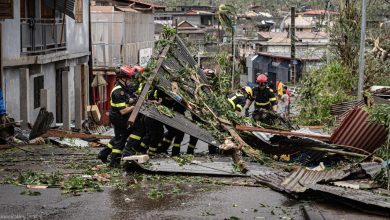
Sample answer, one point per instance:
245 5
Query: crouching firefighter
263 96
122 98
238 99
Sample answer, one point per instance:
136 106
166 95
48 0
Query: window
27 9
38 85
6 9
46 12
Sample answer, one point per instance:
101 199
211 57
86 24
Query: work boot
103 154
115 160
190 149
175 150
213 150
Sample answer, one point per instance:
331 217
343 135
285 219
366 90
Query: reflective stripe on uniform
152 149
139 90
167 140
176 145
117 105
109 145
239 107
118 151
272 99
155 94
135 137
115 88
191 146
143 145
232 103
263 103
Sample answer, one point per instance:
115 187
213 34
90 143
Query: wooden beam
147 86
68 134
286 133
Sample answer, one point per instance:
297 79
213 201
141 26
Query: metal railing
41 36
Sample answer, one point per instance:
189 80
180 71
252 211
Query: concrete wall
11 34
12 92
303 51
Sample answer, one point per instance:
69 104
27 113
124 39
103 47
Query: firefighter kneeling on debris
238 100
122 100
263 96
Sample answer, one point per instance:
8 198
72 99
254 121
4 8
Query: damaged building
44 61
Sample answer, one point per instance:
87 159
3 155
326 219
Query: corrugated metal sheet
60 5
358 132
358 196
299 180
372 169
273 180
340 108
179 122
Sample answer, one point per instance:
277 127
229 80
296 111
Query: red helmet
126 72
139 69
261 79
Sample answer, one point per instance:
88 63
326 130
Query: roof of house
109 9
143 4
288 56
299 35
126 9
197 31
198 12
186 25
318 12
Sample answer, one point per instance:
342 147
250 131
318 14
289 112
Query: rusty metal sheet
341 108
299 180
358 132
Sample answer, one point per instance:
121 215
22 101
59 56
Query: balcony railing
41 36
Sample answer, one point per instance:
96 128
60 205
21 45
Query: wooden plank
68 134
286 133
146 88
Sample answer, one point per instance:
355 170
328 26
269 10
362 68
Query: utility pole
233 56
361 55
292 49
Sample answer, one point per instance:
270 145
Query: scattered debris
138 158
42 123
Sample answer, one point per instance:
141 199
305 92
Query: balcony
42 36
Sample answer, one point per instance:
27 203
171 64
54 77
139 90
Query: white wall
12 92
11 34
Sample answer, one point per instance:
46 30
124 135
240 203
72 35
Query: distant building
271 53
120 35
45 51
302 24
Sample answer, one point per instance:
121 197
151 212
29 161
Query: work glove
246 112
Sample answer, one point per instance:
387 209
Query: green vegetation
322 88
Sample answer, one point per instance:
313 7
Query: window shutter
79 11
6 9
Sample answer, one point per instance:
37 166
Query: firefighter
120 108
262 95
134 143
238 99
